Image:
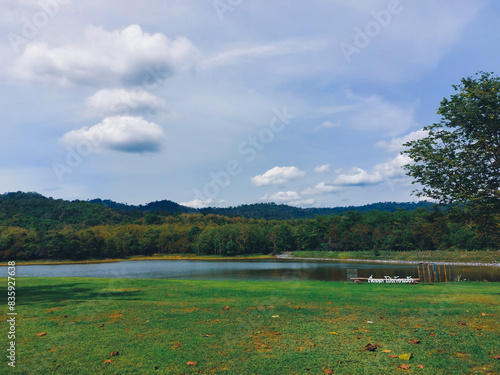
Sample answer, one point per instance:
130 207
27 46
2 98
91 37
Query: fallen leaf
100 326
461 323
414 341
334 333
497 357
393 356
207 335
386 351
453 334
41 334
259 316
108 361
328 371
432 334
404 366
297 308
115 353
369 321
406 356
483 314
331 303
370 347
226 308
191 363
420 366
277 334
275 316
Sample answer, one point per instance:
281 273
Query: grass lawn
239 327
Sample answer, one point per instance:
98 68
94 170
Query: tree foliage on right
458 162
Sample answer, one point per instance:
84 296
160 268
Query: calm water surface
243 270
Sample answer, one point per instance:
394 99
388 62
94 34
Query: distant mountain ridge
31 206
268 211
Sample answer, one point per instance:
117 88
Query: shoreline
286 256
258 257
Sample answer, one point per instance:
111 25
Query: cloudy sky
227 102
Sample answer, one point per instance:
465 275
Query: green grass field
291 327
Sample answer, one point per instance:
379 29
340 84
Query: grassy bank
425 256
137 257
293 327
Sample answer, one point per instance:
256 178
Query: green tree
458 162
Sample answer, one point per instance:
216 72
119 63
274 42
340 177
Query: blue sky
228 102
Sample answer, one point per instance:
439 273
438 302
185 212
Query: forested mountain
35 227
268 211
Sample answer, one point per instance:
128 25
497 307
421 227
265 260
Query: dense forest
36 227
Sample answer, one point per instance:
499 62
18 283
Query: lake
267 269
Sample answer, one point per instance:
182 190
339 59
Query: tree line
111 234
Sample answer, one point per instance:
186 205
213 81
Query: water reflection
244 270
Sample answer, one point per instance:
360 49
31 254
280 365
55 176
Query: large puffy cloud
128 56
108 102
277 175
118 133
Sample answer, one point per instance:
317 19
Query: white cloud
120 101
127 56
322 168
321 188
289 197
381 172
118 133
277 175
396 144
198 203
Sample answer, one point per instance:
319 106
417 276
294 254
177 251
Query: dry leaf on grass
100 326
226 308
334 333
414 341
115 353
497 357
404 366
108 361
41 334
420 366
461 323
406 356
393 356
432 334
191 363
370 347
328 371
